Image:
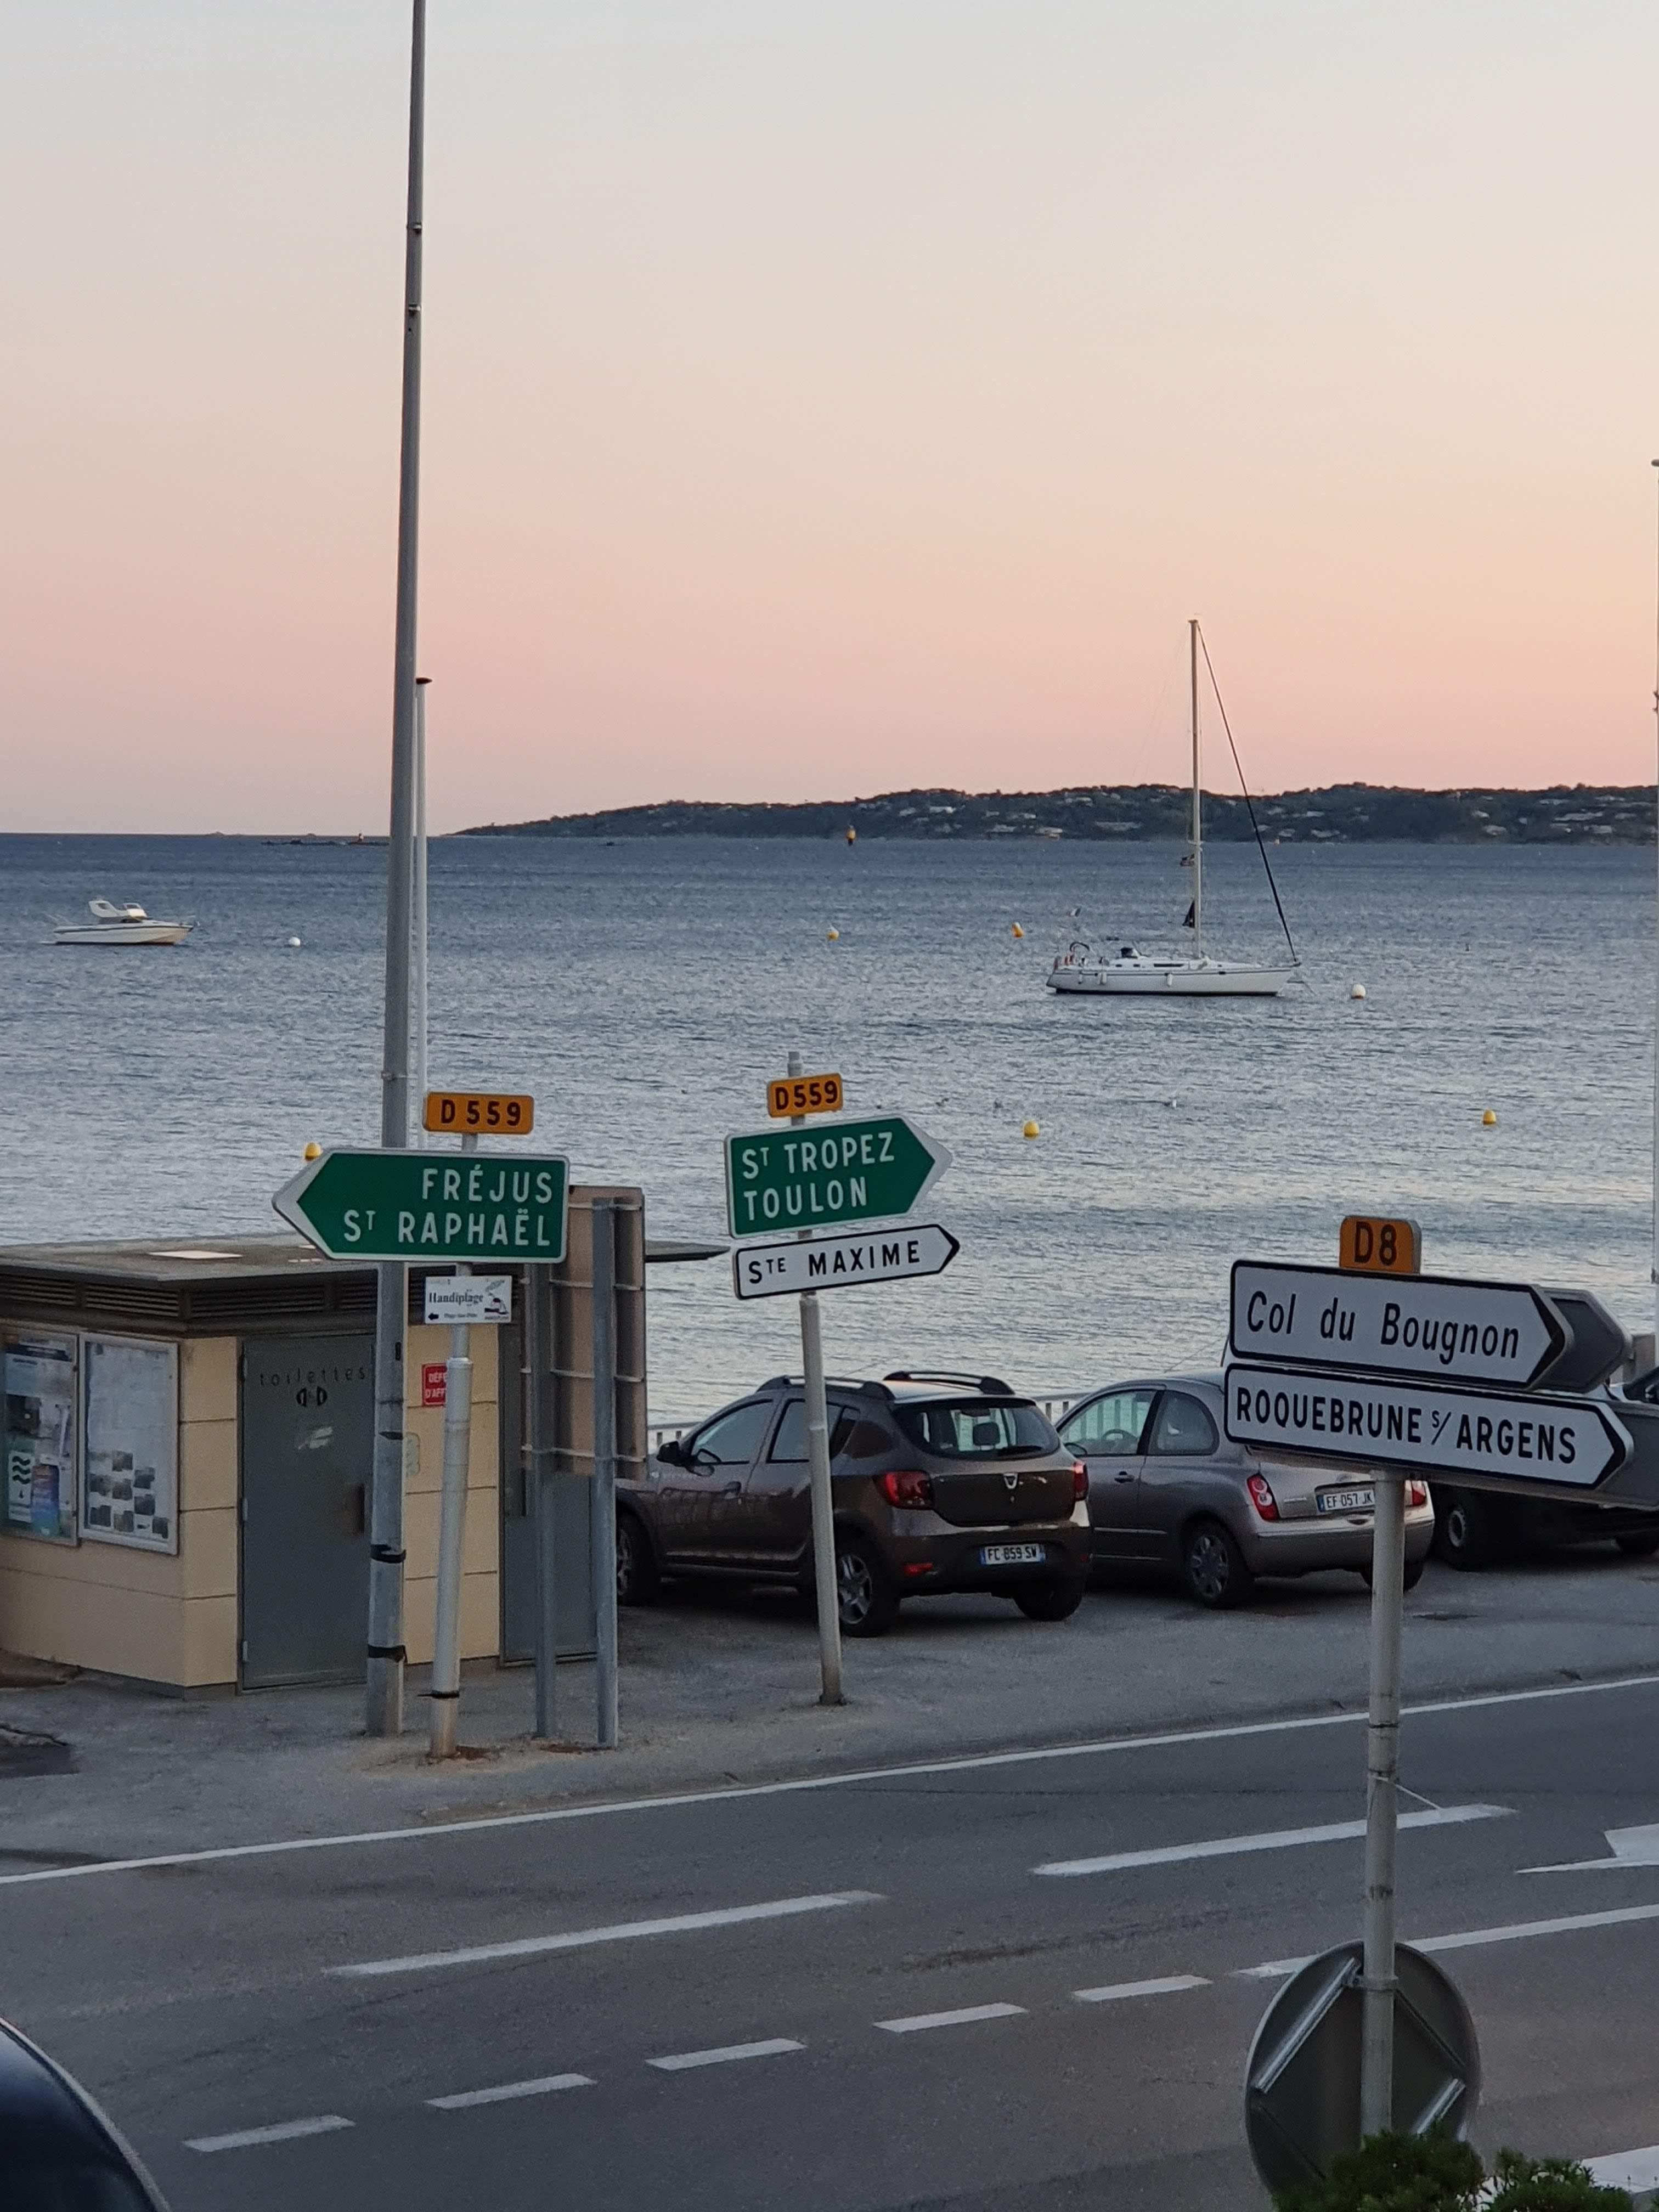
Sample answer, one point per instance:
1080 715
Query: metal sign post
603 1521
451 1530
1382 1804
817 1467
539 1484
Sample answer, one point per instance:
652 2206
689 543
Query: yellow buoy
1489 1120
1357 992
832 935
852 835
312 1151
1016 930
1031 1128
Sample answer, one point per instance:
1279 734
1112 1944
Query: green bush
1434 2174
1550 2184
1396 2173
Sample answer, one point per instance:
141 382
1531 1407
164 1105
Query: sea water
645 991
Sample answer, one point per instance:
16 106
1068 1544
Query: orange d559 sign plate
1376 1245
802 1094
479 1114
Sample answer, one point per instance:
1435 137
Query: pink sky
824 398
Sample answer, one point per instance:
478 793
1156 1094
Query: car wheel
867 1600
1464 1533
1408 1580
637 1579
1638 1543
1213 1567
1056 1598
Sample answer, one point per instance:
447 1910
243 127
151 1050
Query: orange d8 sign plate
1376 1245
479 1113
802 1094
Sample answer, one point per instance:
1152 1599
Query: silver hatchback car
1167 1489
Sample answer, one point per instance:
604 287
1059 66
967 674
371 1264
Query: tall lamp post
385 1526
1655 1265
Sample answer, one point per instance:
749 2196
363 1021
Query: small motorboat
121 925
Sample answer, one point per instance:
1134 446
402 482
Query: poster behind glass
130 1453
40 1401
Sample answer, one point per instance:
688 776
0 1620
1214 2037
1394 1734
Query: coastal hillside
1350 813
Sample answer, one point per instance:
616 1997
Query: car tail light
1417 1494
1080 1481
1261 1497
905 1487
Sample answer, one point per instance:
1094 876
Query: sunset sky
824 397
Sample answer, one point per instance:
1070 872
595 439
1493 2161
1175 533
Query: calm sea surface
645 991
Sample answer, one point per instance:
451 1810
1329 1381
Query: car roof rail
991 1386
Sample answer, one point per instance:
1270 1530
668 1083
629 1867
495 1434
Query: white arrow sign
1630 1847
1366 1422
1430 1325
833 1263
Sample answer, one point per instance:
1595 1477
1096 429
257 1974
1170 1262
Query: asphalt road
892 2002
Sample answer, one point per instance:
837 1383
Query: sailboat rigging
1080 972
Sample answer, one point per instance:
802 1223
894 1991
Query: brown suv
940 1482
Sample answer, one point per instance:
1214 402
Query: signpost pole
539 1483
451 1530
603 1527
1377 1982
385 1705
817 1463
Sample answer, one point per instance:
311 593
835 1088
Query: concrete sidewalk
720 1687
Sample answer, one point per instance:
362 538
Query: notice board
39 1436
129 1478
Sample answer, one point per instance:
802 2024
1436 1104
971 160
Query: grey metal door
308 1441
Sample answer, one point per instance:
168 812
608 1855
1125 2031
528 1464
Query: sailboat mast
1198 817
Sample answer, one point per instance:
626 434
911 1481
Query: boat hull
140 932
1209 979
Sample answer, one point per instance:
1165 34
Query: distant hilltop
1345 813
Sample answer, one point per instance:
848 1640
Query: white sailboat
1082 972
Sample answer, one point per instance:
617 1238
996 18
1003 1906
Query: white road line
544 2087
918 2022
681 2060
1274 1970
579 1939
1521 1931
1106 1746
1474 1939
286 2131
1273 1840
1166 1987
1628 2169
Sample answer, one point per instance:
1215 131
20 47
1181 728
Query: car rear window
978 1428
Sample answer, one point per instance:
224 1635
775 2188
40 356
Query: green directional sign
839 1171
431 1206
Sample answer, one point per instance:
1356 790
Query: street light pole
1655 1266
385 1528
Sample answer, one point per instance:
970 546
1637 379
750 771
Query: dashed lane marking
544 2087
579 1939
1272 1839
323 2124
916 2023
681 2061
1474 1939
1167 1985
